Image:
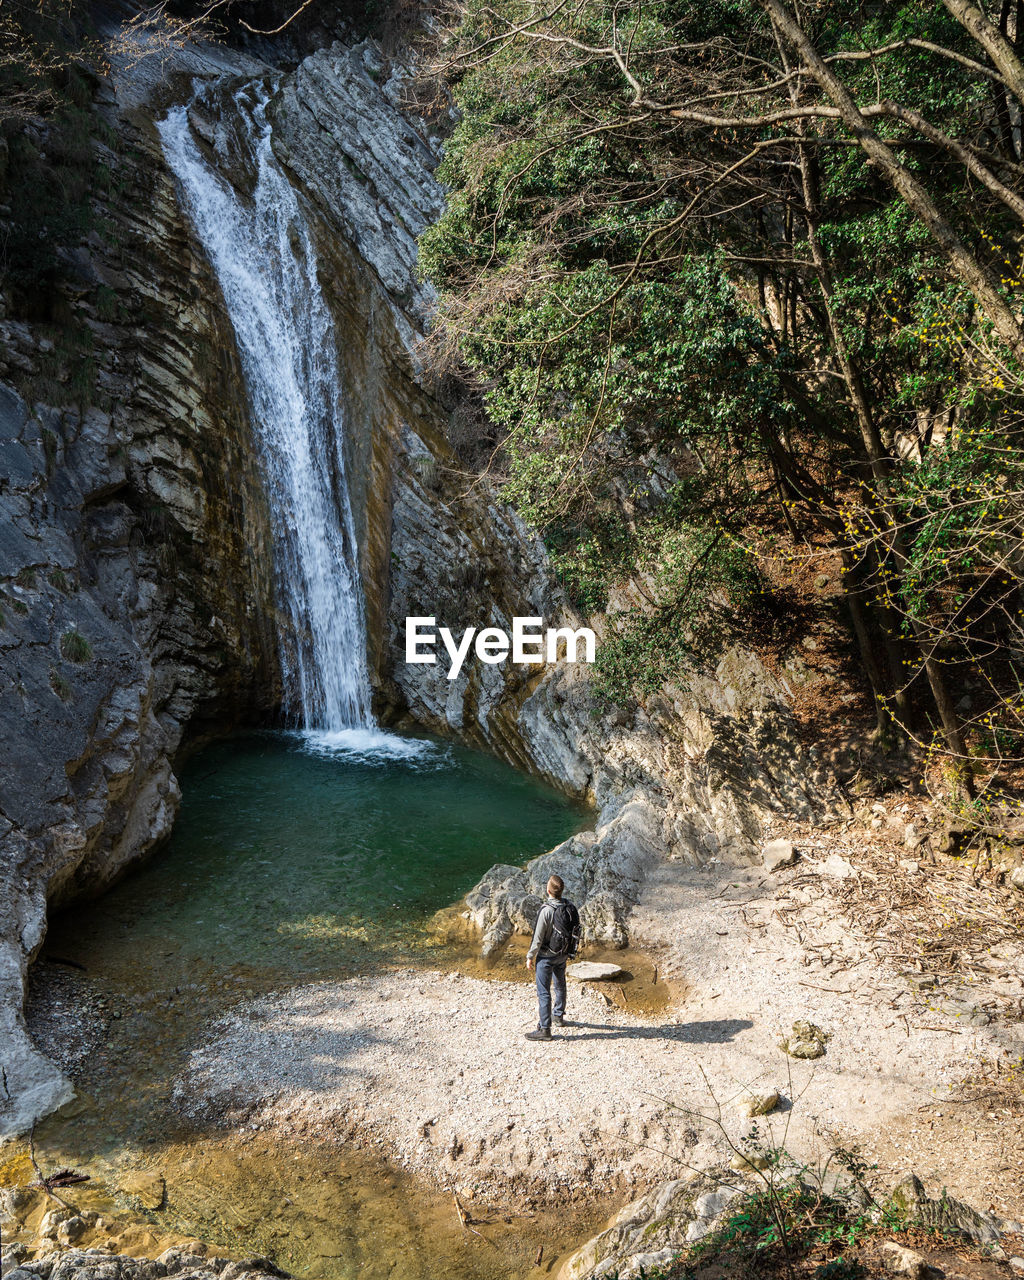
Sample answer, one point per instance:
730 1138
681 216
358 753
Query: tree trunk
999 49
967 267
862 633
880 470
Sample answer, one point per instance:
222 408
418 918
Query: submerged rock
148 1188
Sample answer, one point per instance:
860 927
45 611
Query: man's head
555 887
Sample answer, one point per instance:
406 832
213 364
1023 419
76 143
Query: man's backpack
565 930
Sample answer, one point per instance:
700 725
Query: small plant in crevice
60 685
75 647
25 578
60 580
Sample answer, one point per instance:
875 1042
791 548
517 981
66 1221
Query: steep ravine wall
142 525
137 596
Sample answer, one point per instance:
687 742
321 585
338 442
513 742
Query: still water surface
292 859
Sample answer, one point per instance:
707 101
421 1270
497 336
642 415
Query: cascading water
265 261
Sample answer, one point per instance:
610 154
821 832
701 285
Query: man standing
555 939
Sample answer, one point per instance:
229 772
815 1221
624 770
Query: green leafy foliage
678 321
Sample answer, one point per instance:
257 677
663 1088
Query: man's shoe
557 1022
542 1033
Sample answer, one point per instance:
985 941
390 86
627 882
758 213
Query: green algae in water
302 864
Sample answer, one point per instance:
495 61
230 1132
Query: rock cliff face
135 573
135 587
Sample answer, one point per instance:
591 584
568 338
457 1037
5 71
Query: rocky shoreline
429 1070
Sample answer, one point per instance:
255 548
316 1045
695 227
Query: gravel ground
433 1067
801 944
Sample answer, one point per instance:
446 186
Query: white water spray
265 261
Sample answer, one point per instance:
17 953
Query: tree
694 257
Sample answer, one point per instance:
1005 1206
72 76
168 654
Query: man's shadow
715 1032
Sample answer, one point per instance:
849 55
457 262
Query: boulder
592 971
949 1216
648 1234
777 854
805 1041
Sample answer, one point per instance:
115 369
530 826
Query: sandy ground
924 1068
433 1067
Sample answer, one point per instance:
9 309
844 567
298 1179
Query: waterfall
265 261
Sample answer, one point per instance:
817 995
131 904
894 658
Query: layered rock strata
135 579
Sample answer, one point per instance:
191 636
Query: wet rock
777 854
805 1041
141 527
